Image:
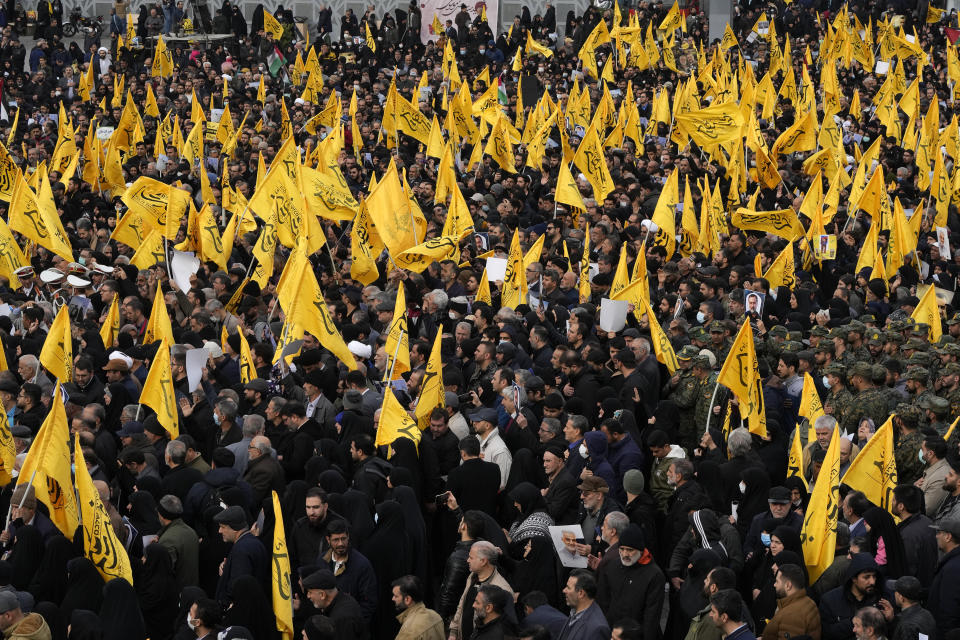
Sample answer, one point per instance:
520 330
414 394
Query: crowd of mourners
690 525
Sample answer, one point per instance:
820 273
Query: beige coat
420 623
495 579
933 491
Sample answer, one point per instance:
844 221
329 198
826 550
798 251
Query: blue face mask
826 382
765 539
216 418
701 317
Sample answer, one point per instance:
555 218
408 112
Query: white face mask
743 487
826 382
583 451
453 315
701 317
192 622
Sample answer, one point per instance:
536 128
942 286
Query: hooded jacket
597 445
707 531
838 605
796 615
31 627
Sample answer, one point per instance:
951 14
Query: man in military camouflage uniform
856 347
683 390
875 344
707 379
953 326
839 402
869 400
893 340
818 335
950 386
907 449
719 343
917 379
841 351
935 411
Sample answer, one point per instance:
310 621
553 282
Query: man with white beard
633 587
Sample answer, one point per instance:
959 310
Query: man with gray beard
632 587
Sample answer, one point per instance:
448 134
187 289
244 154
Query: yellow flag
111 327
536 47
729 39
819 532
795 460
389 208
665 214
433 250
158 392
810 406
741 374
661 343
567 192
56 356
100 542
874 470
514 290
8 449
949 432
591 161
431 386
248 369
674 19
483 290
272 26
281 589
583 286
35 216
158 325
364 265
800 136
371 41
162 60
934 14
928 311
47 468
499 146
9 175
717 124
780 273
11 257
398 343
783 223
395 422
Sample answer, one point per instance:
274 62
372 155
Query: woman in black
156 587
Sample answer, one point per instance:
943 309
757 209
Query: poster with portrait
943 242
825 247
565 539
753 302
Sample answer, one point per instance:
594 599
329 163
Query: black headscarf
356 511
85 625
250 608
50 581
84 587
388 550
156 587
51 613
405 455
188 597
294 502
143 513
332 481
120 612
754 499
119 398
882 526
26 556
416 529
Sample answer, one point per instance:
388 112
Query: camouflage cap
688 352
856 325
701 361
868 318
778 330
874 336
835 369
909 414
917 373
934 403
893 336
864 369
796 336
954 319
716 327
822 332
920 329
791 346
952 369
945 339
916 343
825 346
898 325
879 373
838 332
919 358
952 349
697 333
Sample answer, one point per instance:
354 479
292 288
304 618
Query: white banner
448 10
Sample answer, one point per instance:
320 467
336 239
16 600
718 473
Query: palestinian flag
502 92
275 61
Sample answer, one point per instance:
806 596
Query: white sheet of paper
196 361
882 67
183 265
594 270
613 314
496 269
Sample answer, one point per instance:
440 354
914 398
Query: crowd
792 183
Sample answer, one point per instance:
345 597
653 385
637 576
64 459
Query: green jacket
184 547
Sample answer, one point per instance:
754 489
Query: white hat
213 349
102 268
120 355
360 349
77 281
51 275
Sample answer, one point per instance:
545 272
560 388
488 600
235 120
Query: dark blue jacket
591 624
247 557
547 617
944 600
357 579
838 605
743 633
624 456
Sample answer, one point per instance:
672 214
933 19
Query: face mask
701 317
826 382
216 418
192 622
583 451
482 51
376 518
743 487
463 52
920 455
765 539
453 316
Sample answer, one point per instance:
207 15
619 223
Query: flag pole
716 388
396 352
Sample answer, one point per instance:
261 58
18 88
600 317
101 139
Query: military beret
909 414
919 358
697 333
825 346
875 336
898 325
838 332
796 336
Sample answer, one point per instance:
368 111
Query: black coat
563 499
944 600
632 592
179 480
454 579
476 485
247 557
920 545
